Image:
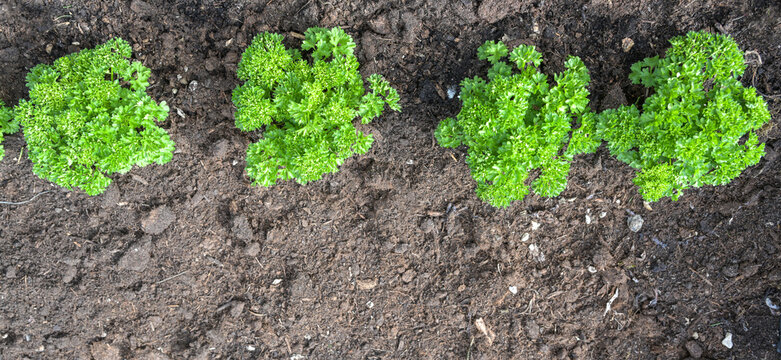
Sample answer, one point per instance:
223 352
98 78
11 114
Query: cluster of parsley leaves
699 125
7 125
89 116
307 109
516 122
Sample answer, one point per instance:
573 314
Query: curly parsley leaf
7 125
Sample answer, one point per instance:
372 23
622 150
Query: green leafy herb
89 116
307 108
515 122
7 125
698 127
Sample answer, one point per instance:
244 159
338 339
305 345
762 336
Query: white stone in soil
635 223
727 342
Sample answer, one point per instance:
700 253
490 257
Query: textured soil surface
393 257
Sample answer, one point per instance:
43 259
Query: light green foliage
89 116
698 127
515 122
307 108
7 125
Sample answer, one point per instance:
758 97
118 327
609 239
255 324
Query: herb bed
394 256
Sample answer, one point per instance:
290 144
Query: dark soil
394 257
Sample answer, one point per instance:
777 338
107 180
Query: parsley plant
307 108
89 116
698 127
516 122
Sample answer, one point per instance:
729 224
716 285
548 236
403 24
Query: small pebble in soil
276 282
70 274
408 276
535 225
602 214
588 219
250 348
253 249
532 330
635 223
366 284
592 269
727 342
401 248
525 237
627 44
536 253
193 86
694 349
10 272
513 290
451 91
773 307
369 304
730 270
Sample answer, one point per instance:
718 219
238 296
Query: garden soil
393 257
